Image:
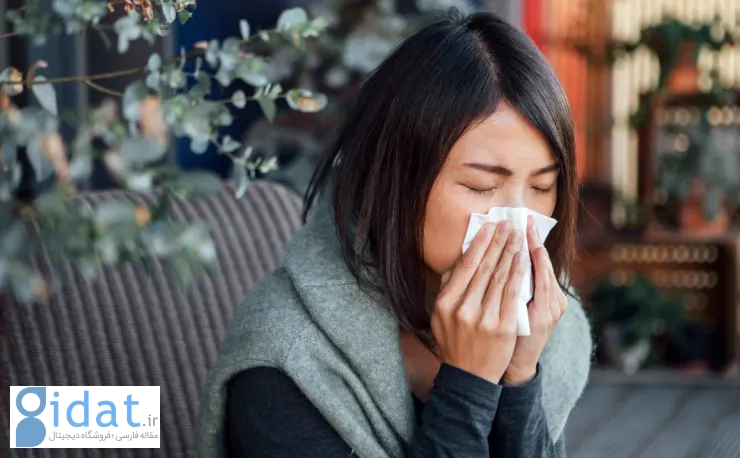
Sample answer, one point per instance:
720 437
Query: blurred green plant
636 309
130 133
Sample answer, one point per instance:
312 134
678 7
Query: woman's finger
510 296
533 237
456 280
542 278
492 300
488 265
558 300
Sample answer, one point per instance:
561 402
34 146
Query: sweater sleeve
458 417
268 416
520 427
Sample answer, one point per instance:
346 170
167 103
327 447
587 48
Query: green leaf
114 212
184 15
198 145
182 270
132 97
212 53
239 99
80 168
14 240
268 165
253 71
26 284
169 12
242 180
244 28
197 184
202 88
230 145
291 18
5 75
42 167
50 203
154 62
142 151
229 54
195 124
162 208
140 182
306 101
45 94
176 79
104 38
268 108
153 81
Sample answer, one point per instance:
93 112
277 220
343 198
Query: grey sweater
310 320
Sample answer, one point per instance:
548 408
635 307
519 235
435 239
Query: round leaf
244 28
154 63
42 167
169 12
140 150
242 180
268 108
291 18
198 184
306 101
239 99
45 94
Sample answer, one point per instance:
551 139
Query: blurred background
654 87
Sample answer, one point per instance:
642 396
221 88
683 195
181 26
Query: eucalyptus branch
130 133
103 89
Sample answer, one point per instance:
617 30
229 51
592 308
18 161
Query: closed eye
543 190
481 191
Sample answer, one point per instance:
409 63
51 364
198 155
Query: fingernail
490 228
516 237
520 260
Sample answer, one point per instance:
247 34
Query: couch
132 327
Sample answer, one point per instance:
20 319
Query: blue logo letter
85 404
30 431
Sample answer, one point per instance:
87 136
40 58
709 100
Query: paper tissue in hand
518 217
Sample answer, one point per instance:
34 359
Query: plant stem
103 89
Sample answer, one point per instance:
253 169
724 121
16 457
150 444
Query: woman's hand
474 318
545 309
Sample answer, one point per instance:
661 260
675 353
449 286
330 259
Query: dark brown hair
409 113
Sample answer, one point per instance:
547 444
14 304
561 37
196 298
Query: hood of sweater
341 347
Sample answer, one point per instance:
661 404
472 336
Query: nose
513 196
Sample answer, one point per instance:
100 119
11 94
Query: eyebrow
499 170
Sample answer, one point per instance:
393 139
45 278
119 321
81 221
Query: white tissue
518 217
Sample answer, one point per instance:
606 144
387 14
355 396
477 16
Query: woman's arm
520 427
457 419
268 416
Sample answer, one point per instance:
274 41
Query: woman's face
501 162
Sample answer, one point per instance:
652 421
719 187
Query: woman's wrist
519 376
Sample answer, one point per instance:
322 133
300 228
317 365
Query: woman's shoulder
269 319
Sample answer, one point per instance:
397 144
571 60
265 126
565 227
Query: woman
376 337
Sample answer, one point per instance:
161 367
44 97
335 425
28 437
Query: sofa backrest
132 327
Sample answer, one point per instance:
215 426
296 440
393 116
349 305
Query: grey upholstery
130 327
